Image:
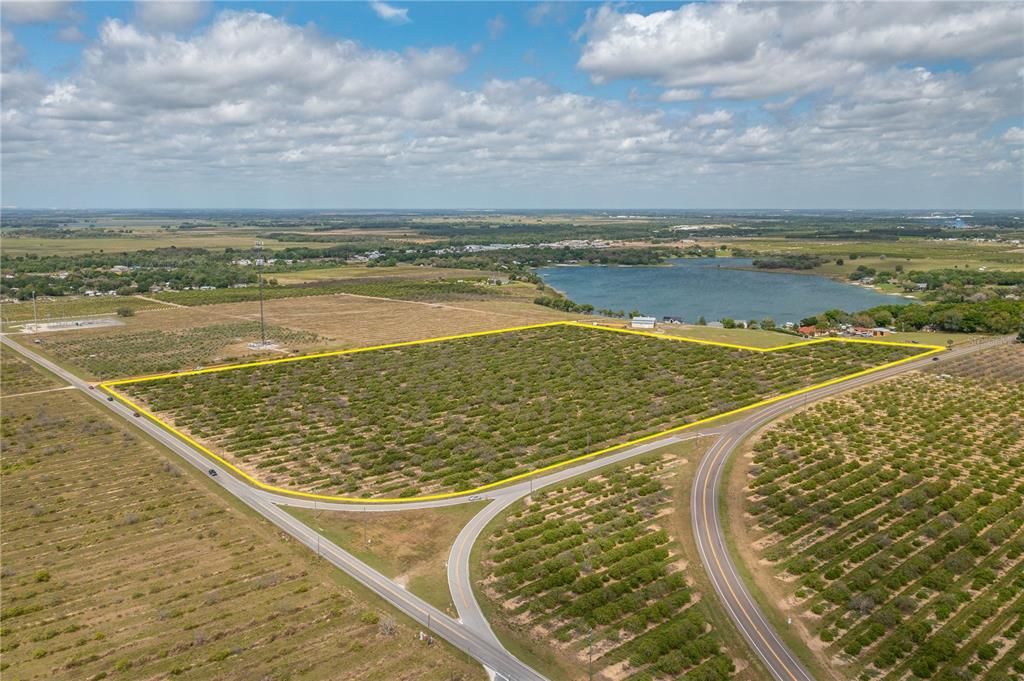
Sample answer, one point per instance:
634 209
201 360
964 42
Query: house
789 325
119 269
880 331
642 322
671 320
808 330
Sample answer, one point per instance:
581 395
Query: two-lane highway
479 645
708 527
472 633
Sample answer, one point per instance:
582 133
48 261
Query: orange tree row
457 414
900 510
586 568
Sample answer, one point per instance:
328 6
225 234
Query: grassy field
911 254
131 353
120 562
18 376
71 306
402 289
462 413
410 272
410 547
168 337
888 522
141 239
591 576
754 338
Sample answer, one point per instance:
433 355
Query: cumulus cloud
545 12
719 118
252 98
756 50
496 26
70 34
387 12
1014 135
36 11
170 15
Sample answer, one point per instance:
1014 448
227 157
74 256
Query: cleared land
150 351
363 272
173 338
410 547
889 522
140 239
457 414
592 575
60 308
120 563
402 289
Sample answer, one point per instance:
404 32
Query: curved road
707 522
471 632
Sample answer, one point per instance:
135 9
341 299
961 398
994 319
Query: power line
259 275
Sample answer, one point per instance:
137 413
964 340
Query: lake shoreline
713 288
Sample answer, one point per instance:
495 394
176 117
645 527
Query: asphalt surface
480 646
471 632
708 527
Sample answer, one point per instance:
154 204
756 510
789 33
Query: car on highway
110 398
212 472
136 414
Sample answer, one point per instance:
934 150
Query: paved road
708 529
471 633
480 645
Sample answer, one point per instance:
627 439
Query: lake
693 287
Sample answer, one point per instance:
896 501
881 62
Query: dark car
935 359
213 472
136 414
110 398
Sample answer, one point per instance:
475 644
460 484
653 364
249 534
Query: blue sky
323 104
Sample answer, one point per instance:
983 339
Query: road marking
109 388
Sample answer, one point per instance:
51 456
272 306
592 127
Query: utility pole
35 310
259 276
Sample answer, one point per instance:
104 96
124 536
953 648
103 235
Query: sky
512 105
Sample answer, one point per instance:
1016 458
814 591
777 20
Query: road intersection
471 632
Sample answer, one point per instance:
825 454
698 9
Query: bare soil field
120 562
410 547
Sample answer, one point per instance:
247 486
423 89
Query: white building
642 322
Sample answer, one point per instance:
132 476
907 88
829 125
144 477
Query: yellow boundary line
108 387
